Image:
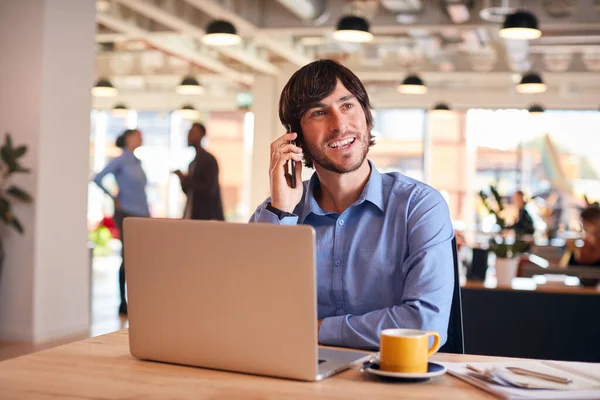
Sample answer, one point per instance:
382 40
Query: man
201 185
384 256
524 223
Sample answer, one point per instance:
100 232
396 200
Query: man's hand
283 196
179 174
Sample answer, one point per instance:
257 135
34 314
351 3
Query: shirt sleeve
428 275
111 168
263 215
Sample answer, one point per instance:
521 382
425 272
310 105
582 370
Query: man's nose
337 121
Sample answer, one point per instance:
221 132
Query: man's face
335 132
194 136
518 200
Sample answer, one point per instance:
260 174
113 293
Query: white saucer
433 370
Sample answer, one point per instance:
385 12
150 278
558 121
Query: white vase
506 270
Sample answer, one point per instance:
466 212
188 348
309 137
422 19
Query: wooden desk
529 284
102 368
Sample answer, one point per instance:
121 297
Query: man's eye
317 113
348 105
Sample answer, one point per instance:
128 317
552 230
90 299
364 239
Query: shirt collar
372 192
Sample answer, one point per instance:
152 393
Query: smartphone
293 162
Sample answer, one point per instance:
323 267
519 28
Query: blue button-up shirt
131 179
385 262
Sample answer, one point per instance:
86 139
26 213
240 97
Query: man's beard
319 156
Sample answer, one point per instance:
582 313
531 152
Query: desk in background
532 321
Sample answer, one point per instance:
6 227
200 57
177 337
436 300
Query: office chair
455 342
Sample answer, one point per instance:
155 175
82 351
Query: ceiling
145 47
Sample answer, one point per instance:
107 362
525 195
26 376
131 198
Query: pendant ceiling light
521 25
536 109
189 112
221 33
531 83
441 109
104 88
189 86
412 84
353 29
120 110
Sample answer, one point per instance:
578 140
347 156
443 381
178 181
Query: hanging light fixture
221 33
189 112
189 86
120 110
412 84
441 109
531 83
536 109
353 29
521 25
104 88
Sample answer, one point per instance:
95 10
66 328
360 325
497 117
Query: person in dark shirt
524 223
589 254
201 184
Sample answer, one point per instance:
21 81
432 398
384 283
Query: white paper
585 377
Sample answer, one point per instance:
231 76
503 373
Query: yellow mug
406 350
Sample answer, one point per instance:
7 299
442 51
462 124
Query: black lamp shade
221 26
189 81
413 80
536 109
521 25
531 83
221 33
104 83
531 78
189 86
120 106
104 88
520 19
441 107
353 23
354 29
412 84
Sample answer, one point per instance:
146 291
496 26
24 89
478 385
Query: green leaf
8 142
16 224
4 207
19 194
20 168
19 151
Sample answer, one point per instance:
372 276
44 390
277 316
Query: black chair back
455 343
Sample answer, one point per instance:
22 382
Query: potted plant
9 193
507 251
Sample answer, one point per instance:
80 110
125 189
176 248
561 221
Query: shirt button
339 305
338 263
341 222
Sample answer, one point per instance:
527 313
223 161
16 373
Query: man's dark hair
199 126
311 84
591 214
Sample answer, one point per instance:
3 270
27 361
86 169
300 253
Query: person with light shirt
384 254
131 200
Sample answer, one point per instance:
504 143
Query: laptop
227 296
